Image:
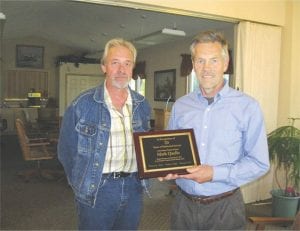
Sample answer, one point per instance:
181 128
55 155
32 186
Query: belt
117 175
208 199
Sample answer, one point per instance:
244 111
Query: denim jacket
84 137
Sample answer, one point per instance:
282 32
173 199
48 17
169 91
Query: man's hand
168 177
200 174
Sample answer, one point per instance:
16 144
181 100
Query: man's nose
207 65
122 67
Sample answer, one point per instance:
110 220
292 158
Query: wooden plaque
161 152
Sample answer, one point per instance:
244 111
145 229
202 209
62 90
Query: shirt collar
223 92
108 101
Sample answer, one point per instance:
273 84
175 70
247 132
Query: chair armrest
38 144
38 139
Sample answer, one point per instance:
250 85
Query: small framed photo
165 85
30 56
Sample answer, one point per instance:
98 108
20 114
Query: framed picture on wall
165 85
30 56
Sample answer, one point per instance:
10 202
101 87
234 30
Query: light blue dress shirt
230 136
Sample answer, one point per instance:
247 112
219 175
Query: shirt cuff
221 173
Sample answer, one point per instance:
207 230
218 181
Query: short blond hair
115 42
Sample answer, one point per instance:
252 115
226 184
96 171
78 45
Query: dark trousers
225 214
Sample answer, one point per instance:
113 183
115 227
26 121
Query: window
138 85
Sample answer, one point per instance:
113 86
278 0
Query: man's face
118 67
209 65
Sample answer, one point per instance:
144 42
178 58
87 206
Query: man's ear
103 68
226 64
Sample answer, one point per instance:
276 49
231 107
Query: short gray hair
210 37
115 42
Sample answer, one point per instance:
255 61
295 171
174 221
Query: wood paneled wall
19 82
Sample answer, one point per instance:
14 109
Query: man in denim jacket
96 145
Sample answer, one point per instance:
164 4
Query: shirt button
96 164
92 186
100 143
203 144
205 126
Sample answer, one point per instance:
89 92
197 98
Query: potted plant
284 151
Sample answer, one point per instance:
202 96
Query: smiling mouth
121 77
207 76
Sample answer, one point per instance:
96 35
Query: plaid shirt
120 154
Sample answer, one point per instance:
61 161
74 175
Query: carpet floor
42 204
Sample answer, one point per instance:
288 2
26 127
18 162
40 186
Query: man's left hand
200 174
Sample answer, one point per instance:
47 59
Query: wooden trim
19 82
261 222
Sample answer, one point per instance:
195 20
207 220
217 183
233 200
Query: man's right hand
169 177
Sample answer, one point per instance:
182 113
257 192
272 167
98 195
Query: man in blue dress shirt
231 138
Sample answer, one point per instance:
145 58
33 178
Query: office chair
36 149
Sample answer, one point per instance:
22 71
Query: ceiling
86 27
